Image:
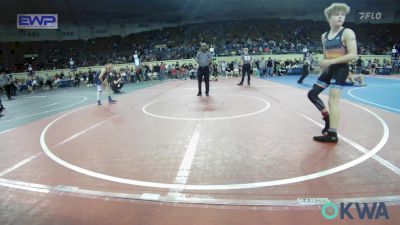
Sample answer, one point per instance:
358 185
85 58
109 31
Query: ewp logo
37 21
330 211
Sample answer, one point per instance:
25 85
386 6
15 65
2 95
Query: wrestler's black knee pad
313 96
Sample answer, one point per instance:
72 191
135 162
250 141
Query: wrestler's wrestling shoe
329 137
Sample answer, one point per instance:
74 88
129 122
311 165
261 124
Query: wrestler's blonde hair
336 7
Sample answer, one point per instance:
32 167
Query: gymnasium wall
87 30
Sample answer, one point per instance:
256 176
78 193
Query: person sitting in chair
353 78
117 82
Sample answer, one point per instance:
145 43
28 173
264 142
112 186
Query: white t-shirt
223 66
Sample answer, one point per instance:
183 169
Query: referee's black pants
204 72
246 69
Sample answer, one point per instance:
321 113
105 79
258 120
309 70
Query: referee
204 59
246 62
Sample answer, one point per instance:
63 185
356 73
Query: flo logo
370 15
375 211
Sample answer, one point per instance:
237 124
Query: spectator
6 82
1 106
270 66
49 81
117 83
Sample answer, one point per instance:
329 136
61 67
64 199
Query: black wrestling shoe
240 84
329 137
207 94
327 126
199 94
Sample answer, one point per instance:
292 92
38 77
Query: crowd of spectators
262 36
